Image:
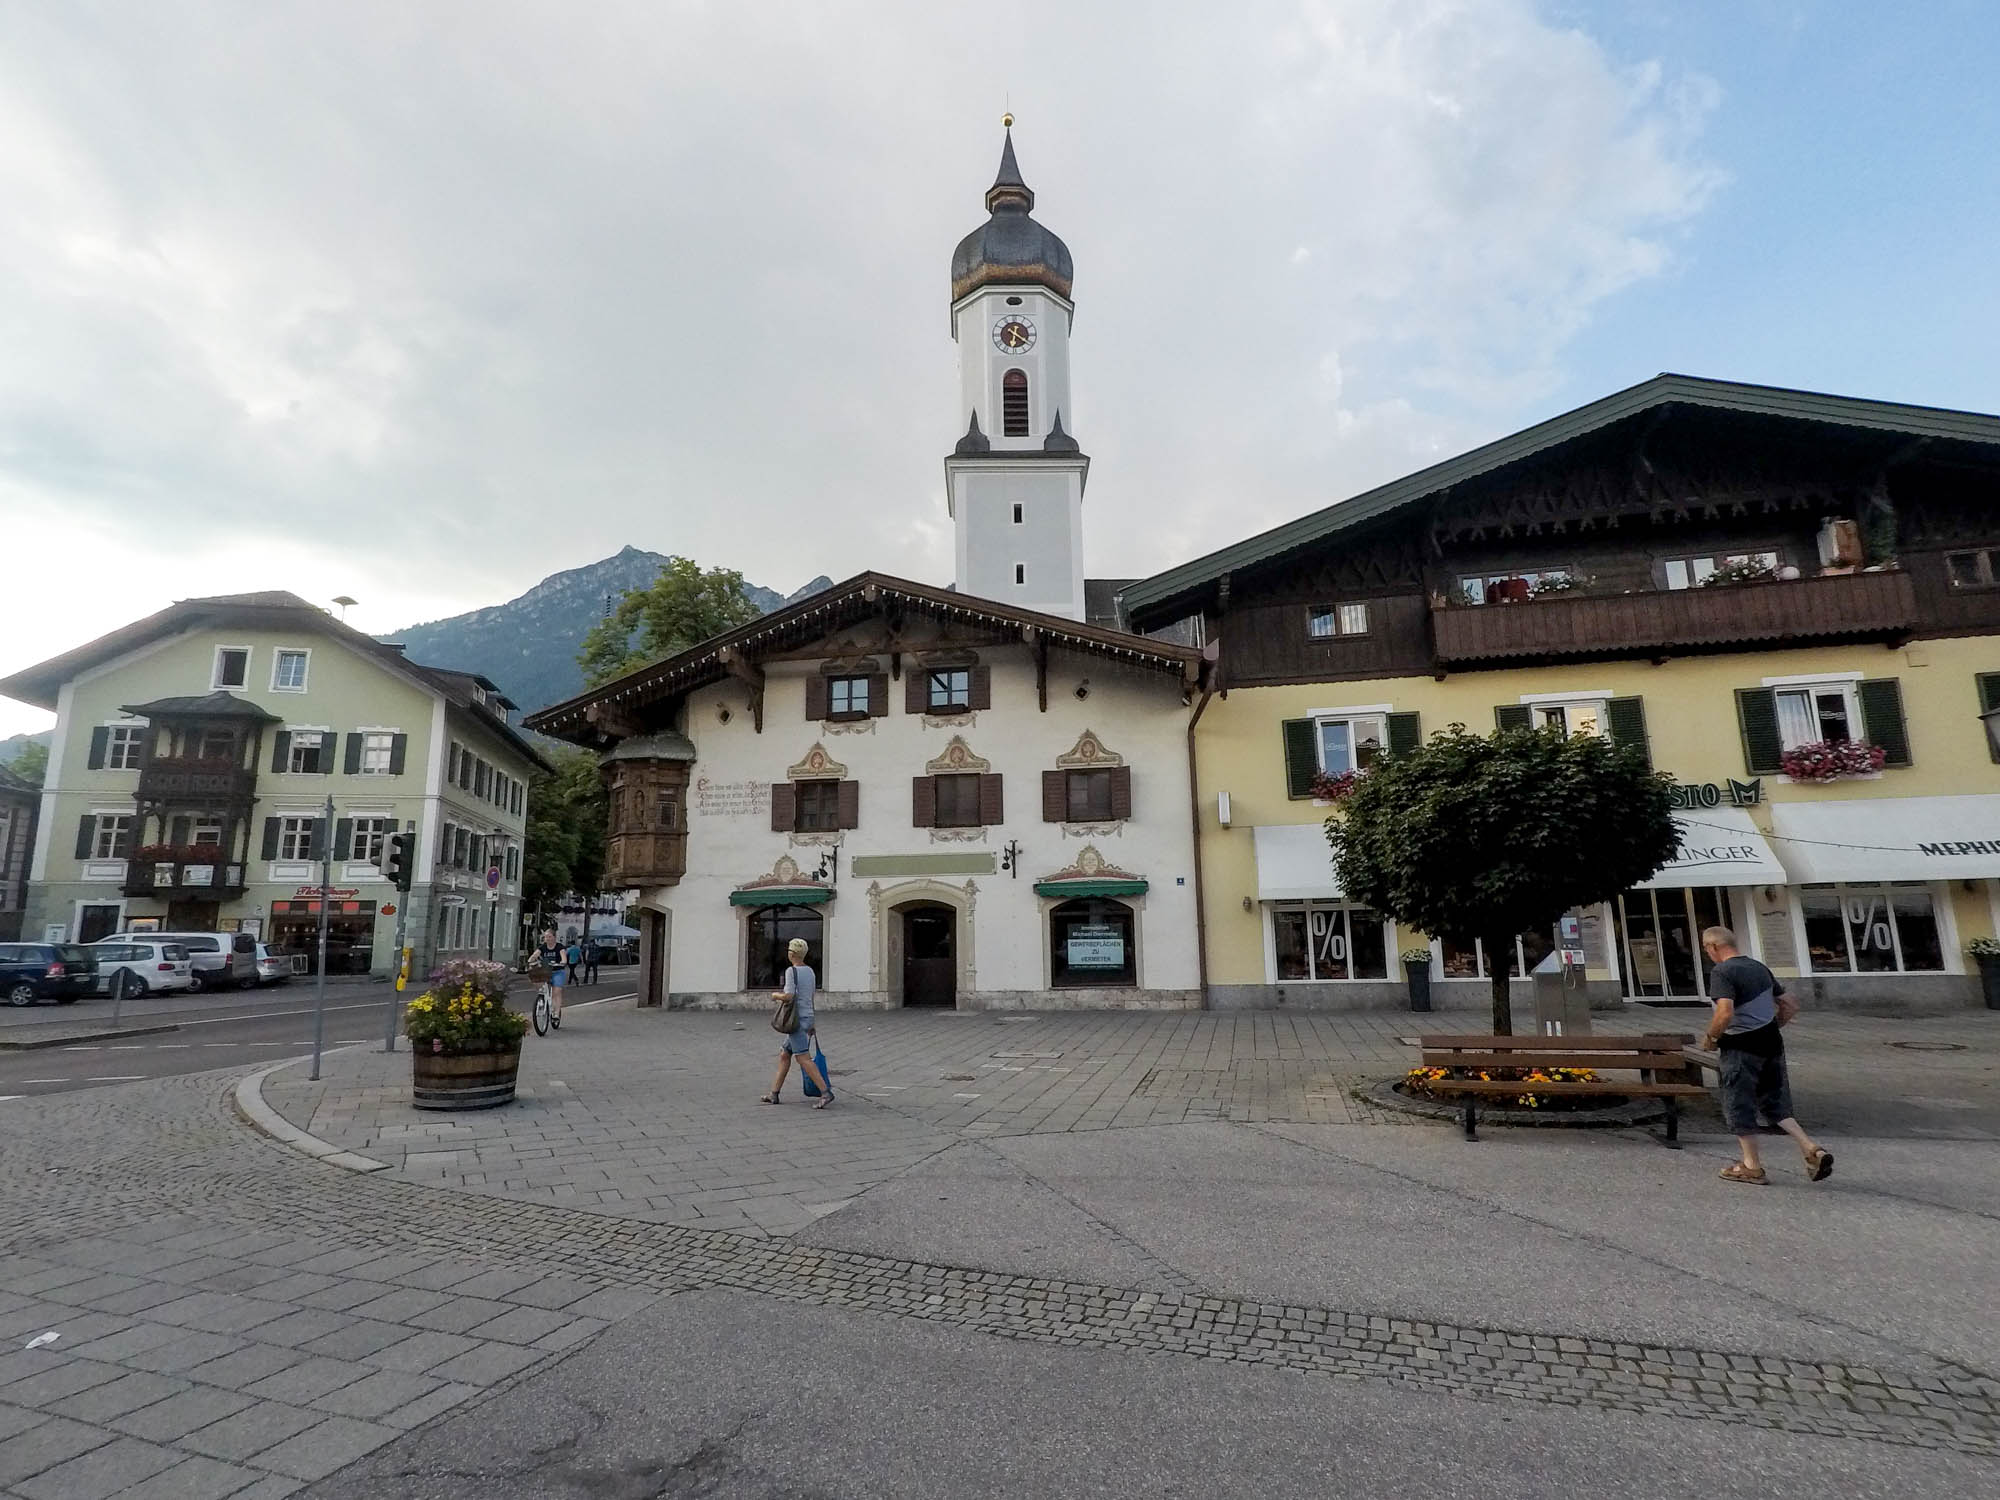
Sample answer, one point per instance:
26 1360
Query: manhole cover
1930 1046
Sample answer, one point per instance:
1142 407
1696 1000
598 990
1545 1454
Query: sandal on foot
1737 1172
824 1101
1819 1165
767 1098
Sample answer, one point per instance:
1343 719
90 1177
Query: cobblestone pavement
235 1319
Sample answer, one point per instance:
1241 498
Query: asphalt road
215 1031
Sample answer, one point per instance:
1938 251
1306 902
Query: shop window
1091 944
1692 572
948 690
1891 929
1349 744
1461 959
1326 622
1322 942
1975 569
1809 715
771 930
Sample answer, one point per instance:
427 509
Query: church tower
1015 481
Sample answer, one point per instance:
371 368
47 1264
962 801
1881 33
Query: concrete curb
9 1045
250 1101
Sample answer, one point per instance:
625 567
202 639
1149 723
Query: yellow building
1791 600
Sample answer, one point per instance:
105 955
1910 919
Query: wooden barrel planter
466 1080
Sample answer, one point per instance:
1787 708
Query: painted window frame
1339 622
953 696
371 749
278 658
295 834
124 745
371 833
321 746
110 841
846 686
1353 720
215 682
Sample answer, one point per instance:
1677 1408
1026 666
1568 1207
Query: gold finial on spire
1007 120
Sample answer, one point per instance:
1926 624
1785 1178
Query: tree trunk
1498 952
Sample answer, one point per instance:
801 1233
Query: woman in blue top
800 983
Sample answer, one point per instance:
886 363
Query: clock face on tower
1014 335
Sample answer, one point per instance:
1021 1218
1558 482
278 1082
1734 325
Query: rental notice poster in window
1096 945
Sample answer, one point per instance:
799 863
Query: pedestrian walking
800 985
575 956
1751 1010
591 953
553 962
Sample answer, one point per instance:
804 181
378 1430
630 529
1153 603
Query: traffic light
399 859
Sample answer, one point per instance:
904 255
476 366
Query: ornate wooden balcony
635 859
209 782
1854 606
222 879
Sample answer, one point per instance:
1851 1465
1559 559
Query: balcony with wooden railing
1849 606
217 780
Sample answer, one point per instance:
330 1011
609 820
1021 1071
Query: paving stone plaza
237 1317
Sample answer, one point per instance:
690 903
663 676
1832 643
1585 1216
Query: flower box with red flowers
1832 760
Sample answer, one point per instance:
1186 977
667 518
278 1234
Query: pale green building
193 756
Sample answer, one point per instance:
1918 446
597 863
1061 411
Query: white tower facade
1015 481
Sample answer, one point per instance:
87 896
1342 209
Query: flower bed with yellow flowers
464 1012
1417 1084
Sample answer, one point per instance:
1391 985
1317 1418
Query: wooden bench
1659 1060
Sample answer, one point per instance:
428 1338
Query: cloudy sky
421 302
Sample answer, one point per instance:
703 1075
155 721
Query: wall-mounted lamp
1010 858
828 872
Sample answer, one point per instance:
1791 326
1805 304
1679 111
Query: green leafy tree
567 817
1473 836
32 763
681 608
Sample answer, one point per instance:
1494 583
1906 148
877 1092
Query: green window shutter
1989 699
1882 718
1627 720
343 838
1301 757
399 748
1405 733
270 838
1757 717
352 767
281 749
86 835
316 850
1513 716
99 738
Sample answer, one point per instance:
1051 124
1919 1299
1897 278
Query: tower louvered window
1014 404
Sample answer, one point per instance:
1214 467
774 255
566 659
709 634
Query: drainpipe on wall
1194 808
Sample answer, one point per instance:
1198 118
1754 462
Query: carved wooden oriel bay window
646 781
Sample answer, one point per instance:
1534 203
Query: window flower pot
463 1080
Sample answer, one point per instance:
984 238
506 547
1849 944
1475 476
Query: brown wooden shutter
86 835
916 690
878 695
923 802
982 687
1121 791
849 804
1882 718
1055 796
1301 757
816 697
784 807
100 737
1513 716
281 749
991 810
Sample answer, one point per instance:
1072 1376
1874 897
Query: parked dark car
62 972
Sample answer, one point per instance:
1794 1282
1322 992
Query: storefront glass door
1659 940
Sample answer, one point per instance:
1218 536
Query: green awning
1068 888
782 895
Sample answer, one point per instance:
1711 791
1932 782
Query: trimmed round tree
1488 836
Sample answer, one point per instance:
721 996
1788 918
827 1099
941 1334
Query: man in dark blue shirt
1745 1030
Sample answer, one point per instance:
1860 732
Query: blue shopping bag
819 1061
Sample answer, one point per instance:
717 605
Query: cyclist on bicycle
554 964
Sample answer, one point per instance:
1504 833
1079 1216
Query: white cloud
421 303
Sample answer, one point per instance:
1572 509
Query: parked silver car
148 963
272 968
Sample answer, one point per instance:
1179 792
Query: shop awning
1719 846
1064 889
1889 838
1294 863
782 895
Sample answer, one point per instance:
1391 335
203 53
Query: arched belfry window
1014 404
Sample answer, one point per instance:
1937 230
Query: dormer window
1014 404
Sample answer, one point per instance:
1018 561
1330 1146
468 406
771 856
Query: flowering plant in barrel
465 1044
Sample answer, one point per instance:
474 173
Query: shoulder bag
786 1017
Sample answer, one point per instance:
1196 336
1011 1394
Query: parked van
222 960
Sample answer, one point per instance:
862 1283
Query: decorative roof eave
1183 585
858 596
